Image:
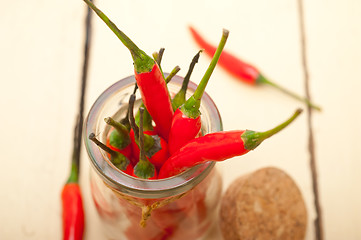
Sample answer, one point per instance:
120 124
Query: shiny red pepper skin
229 62
217 146
183 130
156 99
127 151
129 170
73 213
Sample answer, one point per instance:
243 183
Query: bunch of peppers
164 137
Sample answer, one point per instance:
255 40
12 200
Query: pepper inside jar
183 206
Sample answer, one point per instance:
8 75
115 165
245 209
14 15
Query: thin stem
122 130
180 98
122 37
160 56
142 62
131 116
262 79
101 145
253 139
172 74
135 88
190 70
125 120
191 106
144 168
202 85
141 135
147 119
78 130
155 56
281 126
74 172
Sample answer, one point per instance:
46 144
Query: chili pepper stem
160 56
263 80
191 107
155 56
172 74
74 171
125 120
74 174
149 141
252 139
144 168
118 159
121 129
147 119
180 97
142 62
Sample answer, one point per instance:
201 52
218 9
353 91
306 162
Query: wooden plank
41 55
333 34
41 46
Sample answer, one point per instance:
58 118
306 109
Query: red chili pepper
217 146
186 122
71 197
242 70
155 147
119 139
149 78
73 211
118 160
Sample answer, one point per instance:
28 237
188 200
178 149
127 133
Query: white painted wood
41 57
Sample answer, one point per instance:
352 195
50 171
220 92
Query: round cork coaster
263 205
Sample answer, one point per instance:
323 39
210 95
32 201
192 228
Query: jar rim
137 187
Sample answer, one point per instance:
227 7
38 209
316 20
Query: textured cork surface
264 205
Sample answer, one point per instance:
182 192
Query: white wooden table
41 54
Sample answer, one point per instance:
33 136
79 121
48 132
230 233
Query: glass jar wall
181 207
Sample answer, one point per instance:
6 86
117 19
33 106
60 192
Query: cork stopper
263 205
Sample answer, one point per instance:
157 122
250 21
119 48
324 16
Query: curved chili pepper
217 146
180 96
242 70
144 168
71 197
186 122
118 160
149 78
155 147
119 139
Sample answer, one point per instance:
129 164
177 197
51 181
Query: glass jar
181 207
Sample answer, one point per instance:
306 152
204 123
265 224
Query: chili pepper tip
191 107
252 139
